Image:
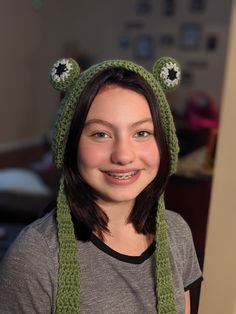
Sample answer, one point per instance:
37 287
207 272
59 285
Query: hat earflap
167 72
64 73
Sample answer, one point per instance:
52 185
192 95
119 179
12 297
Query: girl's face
117 152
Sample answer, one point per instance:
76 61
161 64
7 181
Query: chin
117 197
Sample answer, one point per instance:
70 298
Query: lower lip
116 181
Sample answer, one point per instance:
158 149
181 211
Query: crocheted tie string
68 273
164 287
65 76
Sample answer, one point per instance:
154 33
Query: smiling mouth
122 176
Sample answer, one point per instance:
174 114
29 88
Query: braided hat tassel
68 272
164 289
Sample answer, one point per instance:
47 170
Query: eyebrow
110 125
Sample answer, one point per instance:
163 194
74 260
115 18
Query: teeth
122 176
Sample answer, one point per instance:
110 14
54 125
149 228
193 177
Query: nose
123 152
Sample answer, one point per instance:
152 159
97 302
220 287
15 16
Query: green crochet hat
65 76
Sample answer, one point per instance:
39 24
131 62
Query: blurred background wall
218 293
32 38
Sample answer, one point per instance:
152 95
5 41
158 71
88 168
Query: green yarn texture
162 65
68 283
164 287
69 71
68 290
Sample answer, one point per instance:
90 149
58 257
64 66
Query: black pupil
172 74
60 69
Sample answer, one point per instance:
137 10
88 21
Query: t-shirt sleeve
191 270
26 276
184 260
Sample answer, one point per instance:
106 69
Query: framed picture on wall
124 42
143 7
144 47
211 42
197 5
187 77
190 35
167 40
168 7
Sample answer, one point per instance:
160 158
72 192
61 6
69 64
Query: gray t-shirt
110 283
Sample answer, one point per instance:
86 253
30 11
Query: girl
109 246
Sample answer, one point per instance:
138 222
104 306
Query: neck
123 237
126 240
117 213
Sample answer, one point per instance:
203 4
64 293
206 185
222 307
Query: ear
167 72
64 73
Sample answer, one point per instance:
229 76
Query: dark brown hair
87 215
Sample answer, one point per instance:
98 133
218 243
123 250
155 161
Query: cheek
90 155
151 155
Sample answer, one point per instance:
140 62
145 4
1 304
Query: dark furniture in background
190 198
18 210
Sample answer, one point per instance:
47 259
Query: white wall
218 294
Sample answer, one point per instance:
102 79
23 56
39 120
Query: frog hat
65 76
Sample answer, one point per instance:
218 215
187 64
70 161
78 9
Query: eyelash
98 135
147 133
103 135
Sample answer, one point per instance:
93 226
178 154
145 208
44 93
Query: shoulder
43 227
36 241
176 223
28 271
178 230
184 261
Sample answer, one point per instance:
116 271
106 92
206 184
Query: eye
143 133
100 135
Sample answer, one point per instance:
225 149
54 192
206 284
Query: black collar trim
122 257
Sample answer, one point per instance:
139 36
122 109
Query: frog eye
167 71
63 74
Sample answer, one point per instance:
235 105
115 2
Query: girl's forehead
108 86
111 88
116 102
